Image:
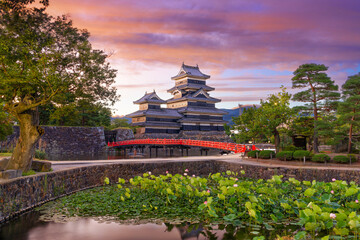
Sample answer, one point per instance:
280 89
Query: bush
252 154
285 155
320 158
353 157
291 148
266 154
300 154
341 159
40 154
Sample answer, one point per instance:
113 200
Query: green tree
247 126
66 115
5 124
44 58
274 114
349 109
301 125
120 122
45 112
320 94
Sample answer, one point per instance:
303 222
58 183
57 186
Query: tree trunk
30 133
277 140
315 137
350 138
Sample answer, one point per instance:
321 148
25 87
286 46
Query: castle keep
190 109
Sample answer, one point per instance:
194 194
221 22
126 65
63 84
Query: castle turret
151 118
191 98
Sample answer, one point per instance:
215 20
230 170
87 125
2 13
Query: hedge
291 148
285 155
353 157
252 154
320 158
300 154
266 154
341 159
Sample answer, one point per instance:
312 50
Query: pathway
60 165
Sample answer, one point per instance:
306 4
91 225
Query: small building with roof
190 109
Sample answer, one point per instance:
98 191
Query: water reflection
30 227
117 154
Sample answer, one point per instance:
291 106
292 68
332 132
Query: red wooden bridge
234 147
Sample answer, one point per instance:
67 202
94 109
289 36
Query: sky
249 47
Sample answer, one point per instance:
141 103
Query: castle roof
204 110
196 120
199 95
157 124
191 85
190 71
150 98
156 112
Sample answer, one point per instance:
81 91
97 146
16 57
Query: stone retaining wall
65 141
19 195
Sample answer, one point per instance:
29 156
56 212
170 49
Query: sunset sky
250 48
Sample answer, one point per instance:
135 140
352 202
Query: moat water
137 154
30 227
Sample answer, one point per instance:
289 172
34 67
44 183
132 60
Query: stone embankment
58 141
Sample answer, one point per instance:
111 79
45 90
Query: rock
10 174
3 163
41 166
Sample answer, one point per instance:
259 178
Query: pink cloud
219 35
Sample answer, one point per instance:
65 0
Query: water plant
318 210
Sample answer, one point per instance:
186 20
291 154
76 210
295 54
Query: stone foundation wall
65 140
119 134
24 193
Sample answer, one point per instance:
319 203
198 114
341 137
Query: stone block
40 166
3 163
10 174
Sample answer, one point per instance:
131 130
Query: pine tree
320 94
349 109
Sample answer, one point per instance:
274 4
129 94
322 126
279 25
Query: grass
28 173
5 154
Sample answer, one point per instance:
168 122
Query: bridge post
156 149
150 150
187 151
182 151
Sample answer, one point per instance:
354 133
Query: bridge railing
186 142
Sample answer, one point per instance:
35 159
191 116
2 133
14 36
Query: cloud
220 35
246 89
242 99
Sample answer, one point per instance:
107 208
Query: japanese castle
190 109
